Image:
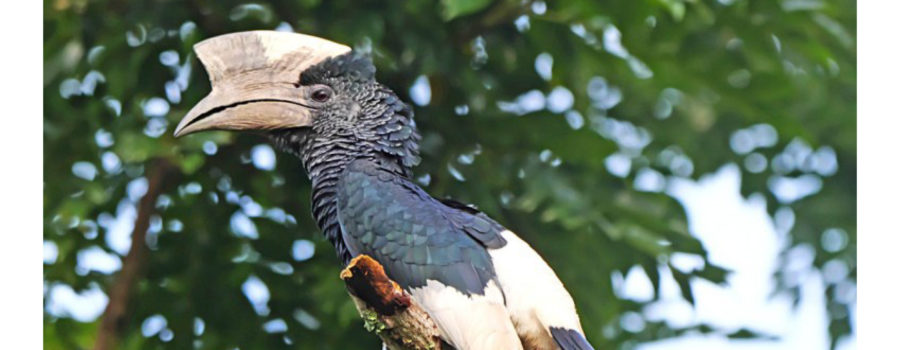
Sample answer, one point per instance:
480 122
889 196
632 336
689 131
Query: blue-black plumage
443 243
484 287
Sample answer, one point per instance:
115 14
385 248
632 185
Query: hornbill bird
484 287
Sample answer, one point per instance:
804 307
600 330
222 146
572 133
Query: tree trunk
115 315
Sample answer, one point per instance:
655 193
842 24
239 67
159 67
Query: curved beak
253 77
265 107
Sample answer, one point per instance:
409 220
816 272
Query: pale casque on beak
254 77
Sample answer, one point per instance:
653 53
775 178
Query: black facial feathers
362 120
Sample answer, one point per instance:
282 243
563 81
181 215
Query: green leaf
684 283
456 8
676 8
191 162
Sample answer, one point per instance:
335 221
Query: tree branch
114 317
387 309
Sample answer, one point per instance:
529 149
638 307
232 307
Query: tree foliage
550 116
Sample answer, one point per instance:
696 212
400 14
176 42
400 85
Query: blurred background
688 167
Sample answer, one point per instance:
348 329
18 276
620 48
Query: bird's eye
321 94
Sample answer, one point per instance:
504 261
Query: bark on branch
388 310
115 315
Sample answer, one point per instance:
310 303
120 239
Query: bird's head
302 91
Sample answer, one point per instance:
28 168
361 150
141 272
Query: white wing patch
476 322
535 297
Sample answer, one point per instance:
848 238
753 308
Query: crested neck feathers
367 121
